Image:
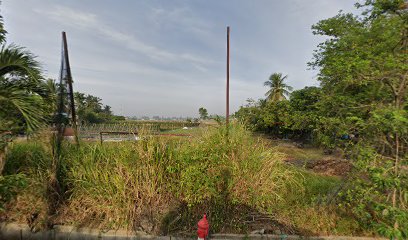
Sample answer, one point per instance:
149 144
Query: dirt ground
312 158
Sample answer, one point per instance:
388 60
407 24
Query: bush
369 196
241 168
10 185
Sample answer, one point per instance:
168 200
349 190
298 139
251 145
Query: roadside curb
11 231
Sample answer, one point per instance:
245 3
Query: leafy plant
10 185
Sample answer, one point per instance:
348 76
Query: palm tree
278 89
22 90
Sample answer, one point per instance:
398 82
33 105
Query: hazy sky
167 58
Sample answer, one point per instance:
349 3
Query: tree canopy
91 110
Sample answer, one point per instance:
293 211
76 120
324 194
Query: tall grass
115 184
32 162
164 185
118 184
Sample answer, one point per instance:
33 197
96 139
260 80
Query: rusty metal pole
228 73
71 91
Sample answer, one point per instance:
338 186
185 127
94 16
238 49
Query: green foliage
370 194
203 113
119 184
365 56
22 92
90 110
361 107
363 75
10 185
297 118
250 114
3 31
210 168
23 95
24 158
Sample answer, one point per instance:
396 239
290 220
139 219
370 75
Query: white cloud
182 18
90 22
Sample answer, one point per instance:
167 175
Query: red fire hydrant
203 228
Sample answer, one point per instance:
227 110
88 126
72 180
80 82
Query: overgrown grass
31 161
301 155
164 185
314 211
119 184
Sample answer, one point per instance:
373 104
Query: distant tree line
91 110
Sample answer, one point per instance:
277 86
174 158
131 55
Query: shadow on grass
224 217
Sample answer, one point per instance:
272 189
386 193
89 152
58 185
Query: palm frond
268 83
30 106
289 88
17 61
278 89
21 86
286 92
269 93
3 31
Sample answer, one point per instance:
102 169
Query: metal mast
68 78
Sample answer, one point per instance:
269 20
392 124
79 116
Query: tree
22 91
91 110
250 114
305 113
364 75
278 89
107 110
203 113
361 108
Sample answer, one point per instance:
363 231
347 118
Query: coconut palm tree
278 89
22 90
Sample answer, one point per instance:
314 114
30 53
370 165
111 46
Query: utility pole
228 73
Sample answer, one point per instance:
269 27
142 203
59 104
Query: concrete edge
17 231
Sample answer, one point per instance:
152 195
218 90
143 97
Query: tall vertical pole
71 91
228 73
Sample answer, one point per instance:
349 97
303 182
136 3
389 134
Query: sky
168 58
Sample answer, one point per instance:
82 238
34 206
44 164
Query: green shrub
369 195
10 185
